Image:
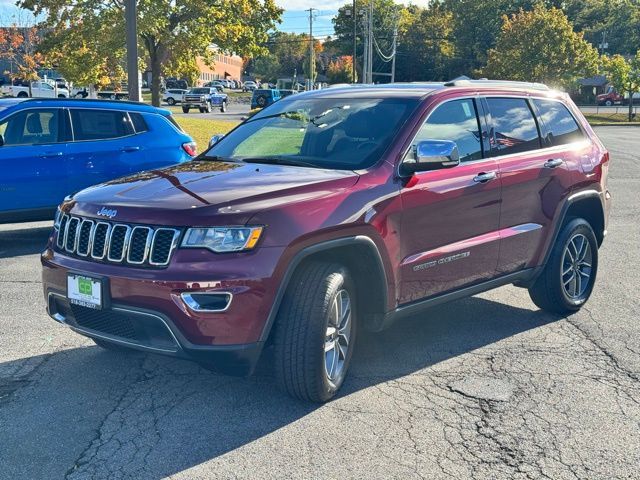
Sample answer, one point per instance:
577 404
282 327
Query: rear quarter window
558 125
138 122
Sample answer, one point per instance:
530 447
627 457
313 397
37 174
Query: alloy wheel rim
338 336
577 263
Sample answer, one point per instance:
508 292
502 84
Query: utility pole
365 53
395 53
133 80
370 45
312 52
355 43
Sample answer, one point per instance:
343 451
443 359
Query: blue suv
52 147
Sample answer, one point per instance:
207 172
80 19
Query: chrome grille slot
164 241
101 241
118 242
84 238
70 237
139 245
62 230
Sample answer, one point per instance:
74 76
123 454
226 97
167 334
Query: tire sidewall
336 281
574 227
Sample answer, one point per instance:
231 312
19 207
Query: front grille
105 321
117 242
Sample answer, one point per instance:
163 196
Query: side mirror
432 155
215 139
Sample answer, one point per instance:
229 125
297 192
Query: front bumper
144 307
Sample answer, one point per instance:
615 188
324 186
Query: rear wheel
567 280
261 101
608 103
315 332
185 109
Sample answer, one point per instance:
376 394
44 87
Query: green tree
172 32
426 47
624 75
541 46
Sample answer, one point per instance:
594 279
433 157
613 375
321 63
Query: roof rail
496 83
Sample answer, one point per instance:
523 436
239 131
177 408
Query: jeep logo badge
105 212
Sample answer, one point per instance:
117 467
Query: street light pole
133 80
355 42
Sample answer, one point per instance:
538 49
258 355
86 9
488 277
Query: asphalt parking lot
484 388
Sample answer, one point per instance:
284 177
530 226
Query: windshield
337 133
199 90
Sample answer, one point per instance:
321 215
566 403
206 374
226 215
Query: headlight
223 239
56 219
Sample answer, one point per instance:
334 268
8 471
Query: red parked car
334 211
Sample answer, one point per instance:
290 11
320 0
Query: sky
294 19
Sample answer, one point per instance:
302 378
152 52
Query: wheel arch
360 255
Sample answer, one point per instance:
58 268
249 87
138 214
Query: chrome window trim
86 220
127 236
147 245
107 235
174 244
195 307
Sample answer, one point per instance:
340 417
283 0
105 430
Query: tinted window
514 126
138 122
457 121
32 127
99 124
559 125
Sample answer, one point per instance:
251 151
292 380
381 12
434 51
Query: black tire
114 347
608 103
261 101
549 292
223 108
23 94
171 101
185 109
61 96
302 329
207 108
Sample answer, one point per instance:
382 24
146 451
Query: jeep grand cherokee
330 212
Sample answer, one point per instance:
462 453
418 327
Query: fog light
207 301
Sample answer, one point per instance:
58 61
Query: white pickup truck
38 90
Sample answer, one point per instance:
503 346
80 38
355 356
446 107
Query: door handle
130 149
553 163
50 154
485 177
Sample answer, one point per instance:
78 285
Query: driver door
449 235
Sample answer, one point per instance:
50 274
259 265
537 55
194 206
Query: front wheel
185 109
223 108
171 101
315 332
567 280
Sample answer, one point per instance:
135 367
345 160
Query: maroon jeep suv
330 212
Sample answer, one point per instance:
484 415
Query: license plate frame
86 291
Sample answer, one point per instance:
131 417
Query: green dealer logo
84 286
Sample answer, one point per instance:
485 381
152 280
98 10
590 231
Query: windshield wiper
214 158
279 161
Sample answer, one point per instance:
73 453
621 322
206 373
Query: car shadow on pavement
23 241
154 416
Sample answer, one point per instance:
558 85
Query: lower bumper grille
105 321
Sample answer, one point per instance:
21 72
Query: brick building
226 66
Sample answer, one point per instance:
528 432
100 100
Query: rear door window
514 127
100 124
457 121
558 126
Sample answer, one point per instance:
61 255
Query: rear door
104 146
32 160
449 234
536 176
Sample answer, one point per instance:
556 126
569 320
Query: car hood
184 193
